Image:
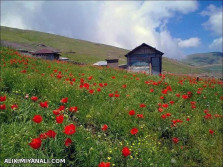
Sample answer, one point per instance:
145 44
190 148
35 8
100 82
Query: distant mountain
201 59
208 62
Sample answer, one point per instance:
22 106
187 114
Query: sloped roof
144 44
101 63
45 51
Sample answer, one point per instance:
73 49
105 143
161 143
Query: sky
177 28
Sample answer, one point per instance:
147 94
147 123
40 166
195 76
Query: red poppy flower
164 91
142 105
59 119
91 91
161 97
185 96
111 94
56 112
134 131
124 86
73 109
2 107
34 98
69 129
175 140
168 114
113 77
51 134
61 108
14 106
172 102
193 106
35 143
44 104
68 142
126 152
104 164
99 89
131 112
178 95
90 78
2 98
104 127
37 118
188 119
43 136
211 131
140 115
64 100
165 105
151 90
160 109
163 116
117 95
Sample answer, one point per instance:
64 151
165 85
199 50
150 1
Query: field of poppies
96 116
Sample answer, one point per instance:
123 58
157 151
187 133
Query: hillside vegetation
97 116
85 51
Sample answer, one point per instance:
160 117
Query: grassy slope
86 52
152 146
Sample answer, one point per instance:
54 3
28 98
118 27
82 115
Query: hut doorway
155 65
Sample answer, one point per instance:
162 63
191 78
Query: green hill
209 62
79 50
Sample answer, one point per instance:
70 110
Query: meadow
99 116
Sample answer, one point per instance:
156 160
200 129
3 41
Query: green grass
151 146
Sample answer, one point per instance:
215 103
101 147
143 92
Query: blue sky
191 25
177 28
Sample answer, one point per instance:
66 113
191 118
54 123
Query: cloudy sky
175 28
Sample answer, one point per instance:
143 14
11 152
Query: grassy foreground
90 115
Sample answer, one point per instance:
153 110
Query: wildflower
64 100
171 102
68 142
111 94
44 104
142 105
2 98
126 152
131 112
165 105
56 112
69 129
2 107
34 98
175 140
59 119
104 164
134 131
73 109
35 143
211 131
124 86
43 136
104 127
140 115
51 134
14 106
37 118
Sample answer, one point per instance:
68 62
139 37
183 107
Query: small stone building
145 58
47 54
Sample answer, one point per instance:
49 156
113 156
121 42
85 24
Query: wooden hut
145 58
47 54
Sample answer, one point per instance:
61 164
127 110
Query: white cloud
191 42
128 25
214 22
216 44
118 23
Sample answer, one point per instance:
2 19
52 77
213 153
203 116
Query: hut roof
45 51
144 44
